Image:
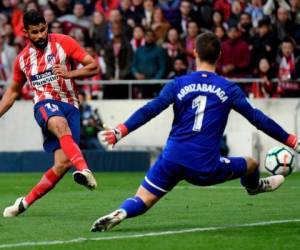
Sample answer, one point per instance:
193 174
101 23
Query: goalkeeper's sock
251 181
133 207
47 182
72 151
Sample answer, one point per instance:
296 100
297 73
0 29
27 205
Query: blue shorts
45 109
164 175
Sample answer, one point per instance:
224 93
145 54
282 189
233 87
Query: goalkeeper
201 102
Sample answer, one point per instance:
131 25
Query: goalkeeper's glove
110 136
293 142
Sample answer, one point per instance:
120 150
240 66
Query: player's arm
90 68
77 53
262 121
142 115
11 94
14 89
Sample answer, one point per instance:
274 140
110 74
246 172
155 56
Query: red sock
72 151
47 182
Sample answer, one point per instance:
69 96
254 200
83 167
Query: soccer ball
280 160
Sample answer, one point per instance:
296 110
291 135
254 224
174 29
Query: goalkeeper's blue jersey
201 102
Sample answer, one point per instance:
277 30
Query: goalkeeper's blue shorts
45 109
164 174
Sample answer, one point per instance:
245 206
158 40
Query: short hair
246 13
208 47
182 58
33 17
288 39
192 21
233 26
264 22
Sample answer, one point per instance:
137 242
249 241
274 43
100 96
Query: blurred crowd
147 39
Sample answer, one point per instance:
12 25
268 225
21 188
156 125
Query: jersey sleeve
153 107
18 74
257 117
73 49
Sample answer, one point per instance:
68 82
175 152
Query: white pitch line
119 237
223 187
207 187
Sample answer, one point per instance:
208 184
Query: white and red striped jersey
36 66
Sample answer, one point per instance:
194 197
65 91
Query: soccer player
201 102
45 63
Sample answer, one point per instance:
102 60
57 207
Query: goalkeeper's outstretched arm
141 116
263 122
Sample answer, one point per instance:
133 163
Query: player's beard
41 43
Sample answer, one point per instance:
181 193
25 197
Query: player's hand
61 71
110 136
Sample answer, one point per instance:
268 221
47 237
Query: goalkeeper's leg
137 205
47 182
256 185
160 179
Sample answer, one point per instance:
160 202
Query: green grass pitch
221 216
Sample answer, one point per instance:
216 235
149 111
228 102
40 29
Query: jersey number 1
199 103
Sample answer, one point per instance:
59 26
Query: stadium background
253 32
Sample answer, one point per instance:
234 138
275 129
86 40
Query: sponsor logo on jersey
43 78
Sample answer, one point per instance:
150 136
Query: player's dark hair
33 17
208 47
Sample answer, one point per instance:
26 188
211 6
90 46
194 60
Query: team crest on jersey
51 59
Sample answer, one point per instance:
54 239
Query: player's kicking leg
59 126
256 185
131 207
